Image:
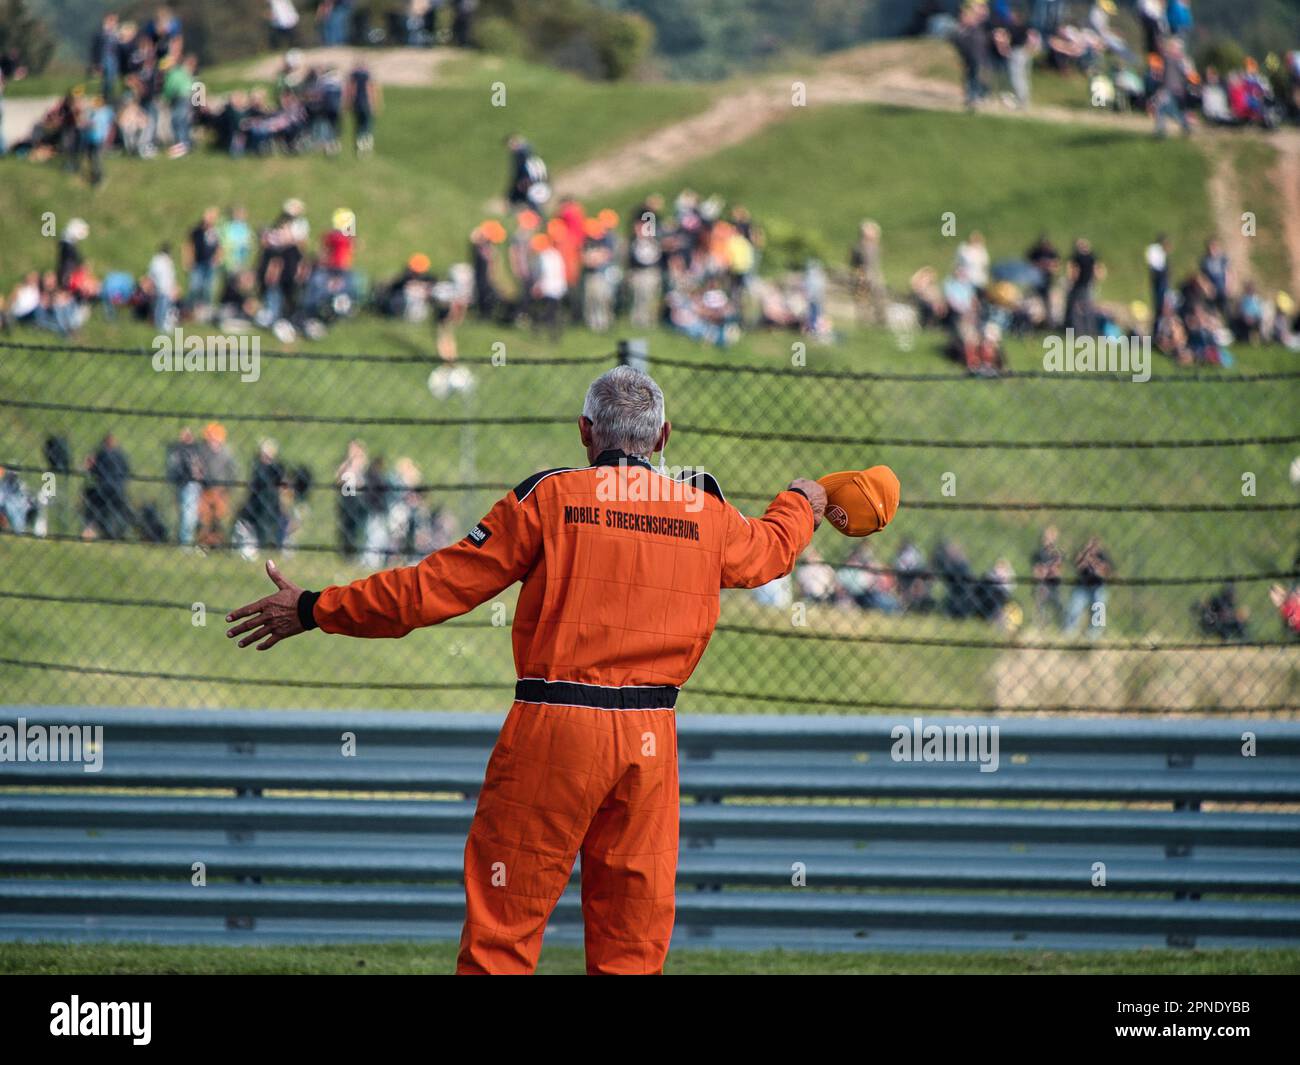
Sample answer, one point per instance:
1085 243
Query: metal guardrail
301 842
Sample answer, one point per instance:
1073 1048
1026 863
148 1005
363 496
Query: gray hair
626 410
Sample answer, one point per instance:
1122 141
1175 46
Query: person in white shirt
973 256
551 286
26 300
282 20
162 275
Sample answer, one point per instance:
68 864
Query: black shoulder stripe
705 481
525 487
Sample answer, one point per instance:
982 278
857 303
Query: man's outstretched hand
272 619
816 496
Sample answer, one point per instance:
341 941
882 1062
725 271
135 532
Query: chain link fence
1065 542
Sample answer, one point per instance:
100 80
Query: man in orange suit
620 568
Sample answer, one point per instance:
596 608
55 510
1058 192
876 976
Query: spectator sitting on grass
863 584
993 595
913 579
1288 606
1285 325
408 295
25 301
927 295
16 502
1221 616
815 578
954 570
1248 319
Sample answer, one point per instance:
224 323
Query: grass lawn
440 958
161 637
820 171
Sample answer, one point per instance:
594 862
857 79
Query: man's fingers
273 572
251 623
267 644
246 609
264 631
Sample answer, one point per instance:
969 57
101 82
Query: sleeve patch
478 535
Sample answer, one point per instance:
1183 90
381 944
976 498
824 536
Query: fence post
634 353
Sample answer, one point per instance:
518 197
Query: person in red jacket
620 566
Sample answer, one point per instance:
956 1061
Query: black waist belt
569 693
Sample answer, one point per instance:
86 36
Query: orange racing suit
621 567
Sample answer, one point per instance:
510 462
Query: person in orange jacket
620 566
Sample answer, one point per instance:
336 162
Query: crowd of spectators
1192 318
413 23
691 266
948 585
143 98
383 516
979 301
998 42
1196 318
235 277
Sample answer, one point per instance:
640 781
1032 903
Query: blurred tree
1222 54
578 35
217 32
23 31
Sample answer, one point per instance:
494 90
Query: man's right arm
498 551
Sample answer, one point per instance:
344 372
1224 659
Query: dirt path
1286 179
885 74
1226 206
21 113
736 117
416 67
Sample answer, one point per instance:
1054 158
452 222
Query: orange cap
860 502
